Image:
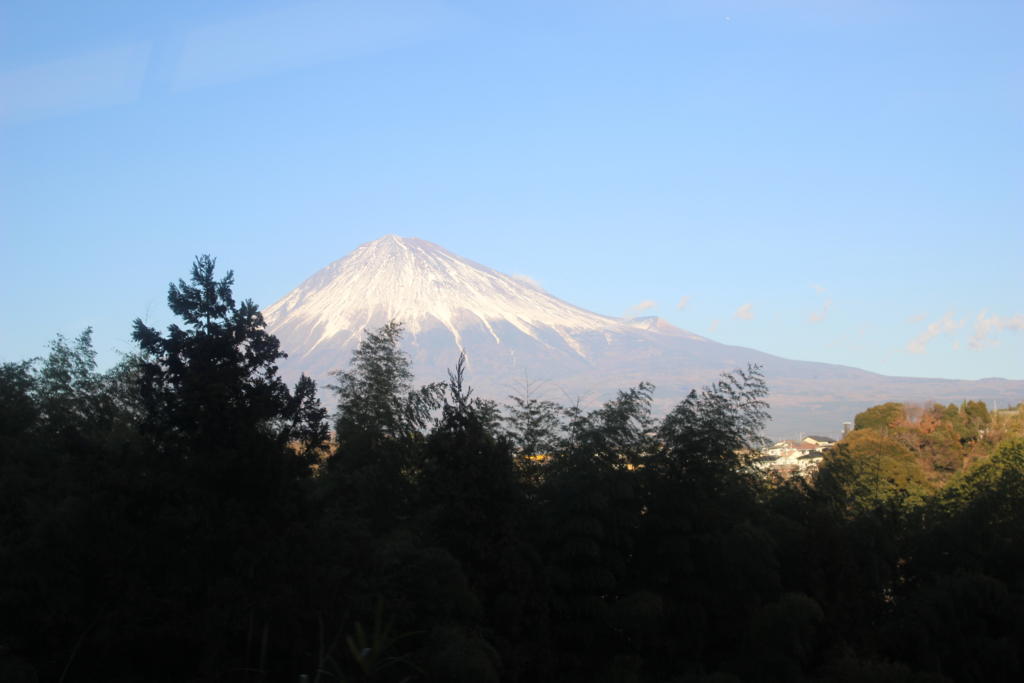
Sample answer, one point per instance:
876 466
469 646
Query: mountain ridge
511 329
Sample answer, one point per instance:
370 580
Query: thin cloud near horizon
645 305
987 327
944 325
818 316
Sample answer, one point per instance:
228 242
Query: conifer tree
222 473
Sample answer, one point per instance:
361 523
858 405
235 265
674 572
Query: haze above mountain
516 335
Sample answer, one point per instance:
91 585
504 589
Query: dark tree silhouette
182 517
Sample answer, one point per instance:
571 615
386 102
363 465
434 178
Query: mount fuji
515 334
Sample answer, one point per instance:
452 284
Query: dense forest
186 516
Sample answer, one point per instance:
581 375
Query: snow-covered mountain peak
423 286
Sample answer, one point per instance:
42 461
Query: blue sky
829 180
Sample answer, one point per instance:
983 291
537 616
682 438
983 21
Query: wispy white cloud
684 301
714 324
528 281
944 325
645 305
299 35
91 80
916 318
986 326
818 288
818 316
745 312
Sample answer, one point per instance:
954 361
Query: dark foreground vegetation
185 517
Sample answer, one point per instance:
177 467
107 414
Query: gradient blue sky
829 180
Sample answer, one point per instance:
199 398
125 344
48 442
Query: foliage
533 424
717 430
17 409
379 427
162 521
374 396
868 469
214 382
879 417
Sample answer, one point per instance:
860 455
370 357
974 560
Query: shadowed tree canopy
718 428
213 382
375 396
158 523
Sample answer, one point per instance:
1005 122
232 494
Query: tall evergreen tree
214 381
222 430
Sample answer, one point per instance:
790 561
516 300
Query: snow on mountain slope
422 285
514 333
